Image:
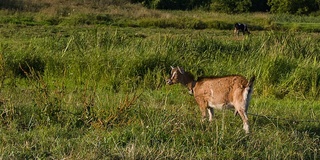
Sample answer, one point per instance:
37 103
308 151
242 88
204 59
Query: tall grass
119 13
95 92
279 60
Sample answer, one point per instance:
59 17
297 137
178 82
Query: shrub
175 4
293 7
231 6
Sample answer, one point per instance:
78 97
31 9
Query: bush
11 4
294 7
22 5
175 4
231 6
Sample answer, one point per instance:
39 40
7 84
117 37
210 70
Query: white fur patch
173 74
245 94
246 97
220 106
246 127
210 114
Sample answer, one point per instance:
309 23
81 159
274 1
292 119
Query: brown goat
217 92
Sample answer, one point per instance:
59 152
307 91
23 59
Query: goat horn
181 70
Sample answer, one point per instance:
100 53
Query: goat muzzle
169 81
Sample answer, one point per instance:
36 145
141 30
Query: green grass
98 91
81 13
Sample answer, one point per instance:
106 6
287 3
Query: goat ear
181 70
171 67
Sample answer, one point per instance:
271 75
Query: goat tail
250 83
248 92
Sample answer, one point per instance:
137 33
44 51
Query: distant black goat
239 27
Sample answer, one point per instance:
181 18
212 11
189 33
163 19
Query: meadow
92 86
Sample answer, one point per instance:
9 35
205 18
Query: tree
175 4
293 6
260 6
231 6
11 4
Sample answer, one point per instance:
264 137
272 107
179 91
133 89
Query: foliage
294 7
175 4
11 4
23 5
232 6
225 6
259 6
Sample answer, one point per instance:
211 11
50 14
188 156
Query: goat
217 92
239 27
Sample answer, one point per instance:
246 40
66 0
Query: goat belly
220 105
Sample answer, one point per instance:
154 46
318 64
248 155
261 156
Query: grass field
78 90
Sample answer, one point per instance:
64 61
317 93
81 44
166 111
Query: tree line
300 7
237 6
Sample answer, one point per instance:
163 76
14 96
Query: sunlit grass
120 14
99 92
